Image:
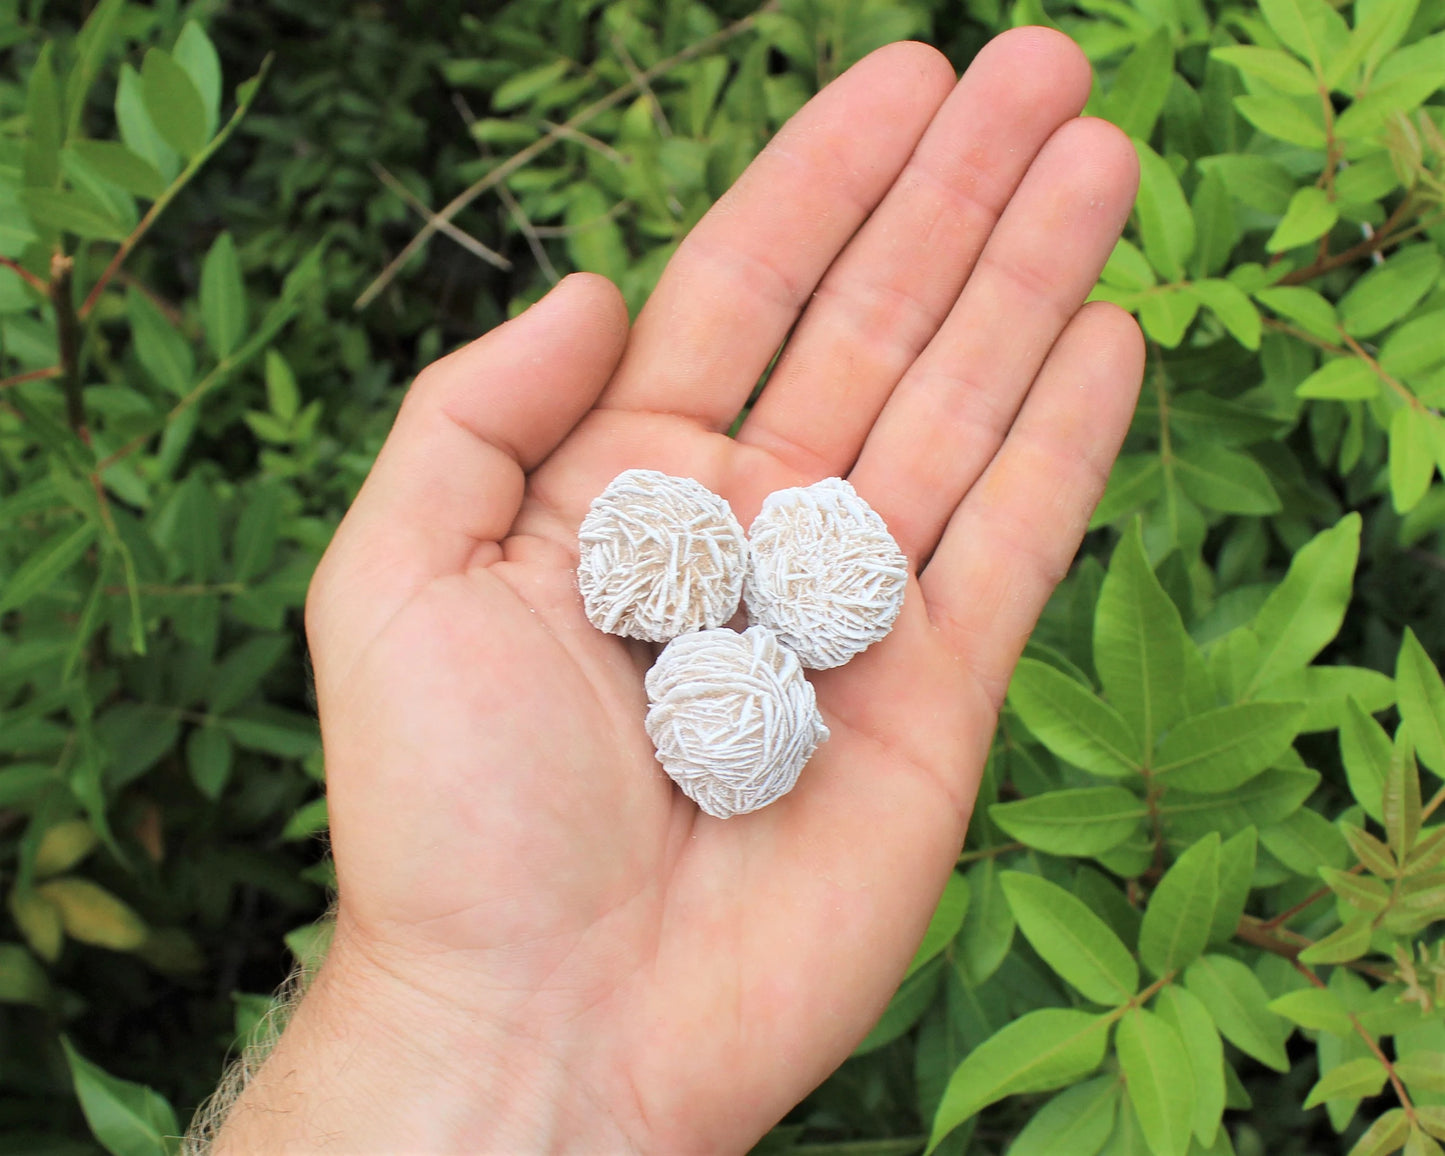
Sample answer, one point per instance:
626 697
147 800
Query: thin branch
582 226
462 238
67 329
586 140
158 206
1384 237
658 116
24 274
30 375
527 155
519 217
989 853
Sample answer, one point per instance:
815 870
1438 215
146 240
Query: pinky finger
1014 535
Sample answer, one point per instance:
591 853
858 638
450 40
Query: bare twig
24 274
519 217
30 375
586 140
634 73
67 330
462 238
531 152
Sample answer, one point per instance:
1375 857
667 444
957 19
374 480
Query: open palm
511 857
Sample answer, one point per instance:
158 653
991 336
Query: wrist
372 1063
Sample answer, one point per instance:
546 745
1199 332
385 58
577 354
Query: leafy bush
1198 907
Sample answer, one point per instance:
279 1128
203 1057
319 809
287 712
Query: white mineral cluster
732 717
660 556
826 575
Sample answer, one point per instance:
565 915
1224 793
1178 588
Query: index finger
738 281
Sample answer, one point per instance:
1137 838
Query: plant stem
1384 237
158 206
31 375
528 154
989 853
67 328
24 274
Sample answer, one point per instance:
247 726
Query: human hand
541 944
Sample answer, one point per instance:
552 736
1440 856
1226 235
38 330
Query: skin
541 944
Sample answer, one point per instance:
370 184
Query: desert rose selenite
732 717
660 556
826 575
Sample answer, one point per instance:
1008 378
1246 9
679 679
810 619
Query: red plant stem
31 375
25 274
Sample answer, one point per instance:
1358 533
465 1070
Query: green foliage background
1203 882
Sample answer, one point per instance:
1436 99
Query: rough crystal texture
659 556
732 717
826 575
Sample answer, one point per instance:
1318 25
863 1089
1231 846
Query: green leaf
91 914
45 565
1304 307
1236 876
1180 914
136 128
1218 231
115 163
595 241
1365 752
1311 214
1135 481
1072 721
1236 312
1305 611
1167 312
1422 1071
23 980
1362 1077
1223 748
1141 85
1078 1120
63 846
1327 689
1412 457
1310 28
1343 945
1237 1002
1387 1134
1415 346
223 296
1161 1082
72 211
310 819
1042 1050
1373 855
1277 69
1388 292
128 1119
258 530
1082 821
1166 226
1304 840
1127 268
1318 1009
1071 939
174 106
947 919
164 353
197 56
524 86
1223 479
1259 182
209 756
1422 701
93 44
1183 1011
1150 667
1370 895
275 732
282 395
1294 120
45 117
1401 800
988 926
